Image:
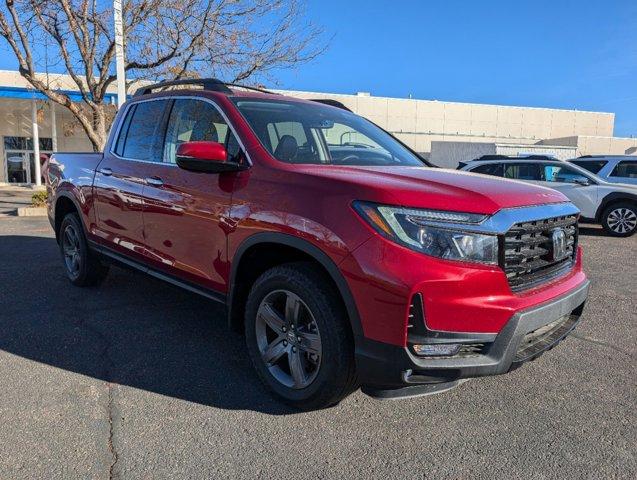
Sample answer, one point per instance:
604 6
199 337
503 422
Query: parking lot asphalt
138 379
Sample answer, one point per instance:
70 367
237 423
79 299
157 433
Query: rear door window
496 169
142 135
625 169
524 171
593 166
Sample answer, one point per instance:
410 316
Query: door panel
120 177
185 212
584 197
184 224
118 204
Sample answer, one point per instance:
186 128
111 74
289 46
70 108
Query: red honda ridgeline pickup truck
345 259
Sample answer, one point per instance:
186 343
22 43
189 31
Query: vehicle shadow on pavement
133 330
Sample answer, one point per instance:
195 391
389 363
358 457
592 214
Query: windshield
297 132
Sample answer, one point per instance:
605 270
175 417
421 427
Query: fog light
437 350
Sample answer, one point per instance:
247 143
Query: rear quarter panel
71 175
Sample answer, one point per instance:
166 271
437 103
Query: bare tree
238 40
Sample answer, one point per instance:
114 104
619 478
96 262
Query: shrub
38 199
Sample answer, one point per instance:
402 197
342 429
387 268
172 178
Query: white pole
54 128
119 53
36 142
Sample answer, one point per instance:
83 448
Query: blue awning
28 94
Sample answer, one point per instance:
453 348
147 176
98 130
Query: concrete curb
7 187
31 212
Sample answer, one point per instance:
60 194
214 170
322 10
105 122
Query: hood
437 189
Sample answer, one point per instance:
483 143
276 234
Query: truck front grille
527 253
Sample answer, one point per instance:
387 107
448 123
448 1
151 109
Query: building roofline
68 83
353 96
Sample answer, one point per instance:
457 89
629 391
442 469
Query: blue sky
564 54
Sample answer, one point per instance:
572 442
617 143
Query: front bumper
386 368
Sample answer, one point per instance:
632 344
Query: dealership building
444 132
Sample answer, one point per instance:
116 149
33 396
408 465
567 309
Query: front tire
298 336
82 267
620 219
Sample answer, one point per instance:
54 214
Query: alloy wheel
288 339
71 250
622 220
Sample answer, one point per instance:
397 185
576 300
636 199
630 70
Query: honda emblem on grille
558 237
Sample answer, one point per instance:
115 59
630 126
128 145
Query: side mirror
202 156
582 181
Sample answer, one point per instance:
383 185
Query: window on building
593 166
26 143
625 169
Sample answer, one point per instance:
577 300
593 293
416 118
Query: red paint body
193 225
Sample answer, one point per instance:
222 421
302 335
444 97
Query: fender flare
611 198
69 196
308 248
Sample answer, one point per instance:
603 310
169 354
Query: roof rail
330 102
491 157
512 157
256 89
607 156
207 83
211 84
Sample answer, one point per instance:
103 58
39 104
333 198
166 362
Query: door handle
154 181
106 171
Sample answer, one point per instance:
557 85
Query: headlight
424 231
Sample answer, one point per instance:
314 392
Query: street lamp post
119 53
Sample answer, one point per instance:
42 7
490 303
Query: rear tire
82 266
620 219
298 336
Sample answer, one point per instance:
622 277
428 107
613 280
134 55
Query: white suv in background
612 168
613 205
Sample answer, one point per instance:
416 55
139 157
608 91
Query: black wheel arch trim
68 196
308 248
614 197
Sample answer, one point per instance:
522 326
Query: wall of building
420 122
450 154
596 145
57 81
561 152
